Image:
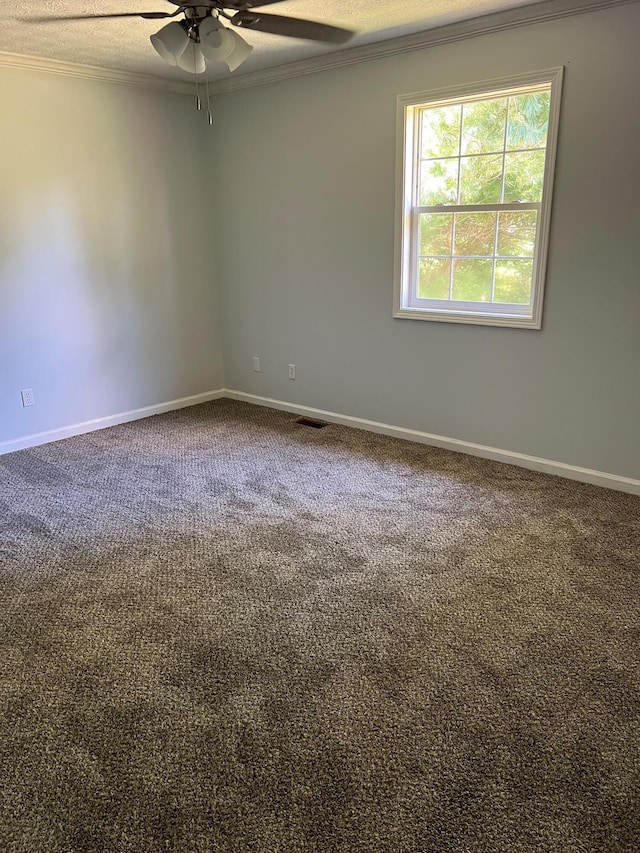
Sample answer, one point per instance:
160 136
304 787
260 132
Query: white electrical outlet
27 397
292 371
256 364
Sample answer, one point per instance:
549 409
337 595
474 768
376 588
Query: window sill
481 318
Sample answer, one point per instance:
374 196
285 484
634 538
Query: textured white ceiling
124 44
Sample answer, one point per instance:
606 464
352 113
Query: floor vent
310 423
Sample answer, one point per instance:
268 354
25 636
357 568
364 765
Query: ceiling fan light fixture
240 52
170 42
216 42
192 60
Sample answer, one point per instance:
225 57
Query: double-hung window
475 172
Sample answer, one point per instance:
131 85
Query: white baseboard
110 420
533 463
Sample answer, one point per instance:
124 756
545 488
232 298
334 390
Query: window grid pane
439 174
474 204
450 244
528 122
516 233
472 279
475 170
439 181
455 167
483 126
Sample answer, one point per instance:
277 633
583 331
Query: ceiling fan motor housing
197 13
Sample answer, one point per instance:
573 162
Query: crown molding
91 72
521 16
498 21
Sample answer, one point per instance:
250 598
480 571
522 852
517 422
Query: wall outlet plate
27 397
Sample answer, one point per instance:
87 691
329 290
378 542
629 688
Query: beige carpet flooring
222 631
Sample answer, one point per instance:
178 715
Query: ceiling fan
199 35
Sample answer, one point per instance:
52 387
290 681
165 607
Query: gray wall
305 205
107 296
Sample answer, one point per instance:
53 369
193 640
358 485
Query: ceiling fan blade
281 25
48 19
248 4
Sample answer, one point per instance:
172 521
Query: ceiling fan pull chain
206 83
195 76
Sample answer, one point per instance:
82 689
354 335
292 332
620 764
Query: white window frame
406 303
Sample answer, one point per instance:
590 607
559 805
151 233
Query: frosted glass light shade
240 52
192 59
216 42
170 42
